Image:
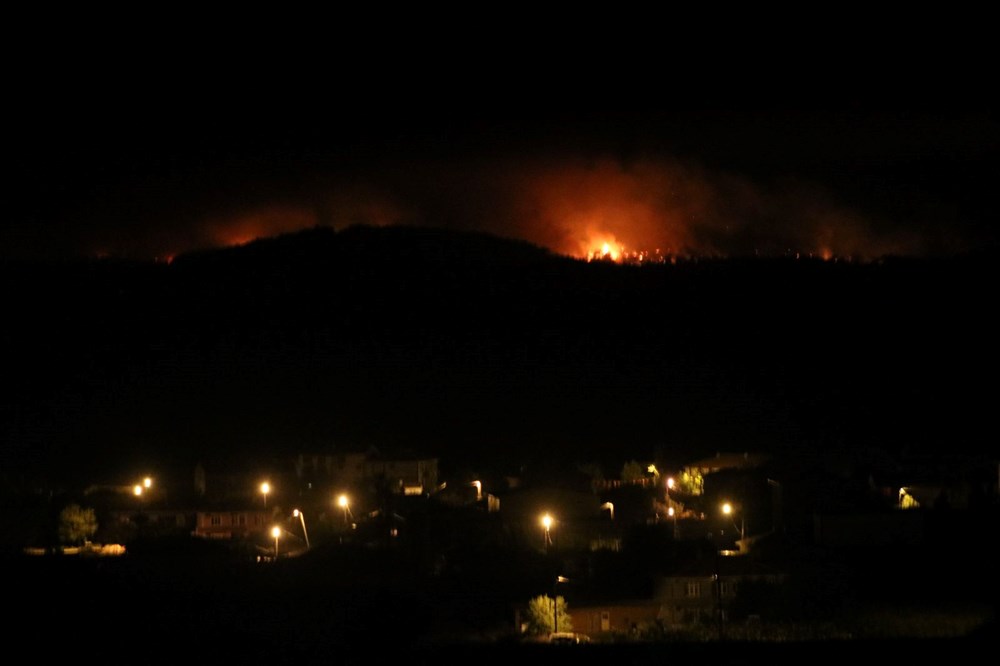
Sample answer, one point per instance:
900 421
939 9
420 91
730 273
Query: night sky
141 147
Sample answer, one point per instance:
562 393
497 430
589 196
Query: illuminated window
693 590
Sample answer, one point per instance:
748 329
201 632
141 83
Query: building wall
229 524
687 599
593 620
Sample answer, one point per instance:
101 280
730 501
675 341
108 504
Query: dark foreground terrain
147 609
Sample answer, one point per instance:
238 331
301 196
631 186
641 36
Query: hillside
479 348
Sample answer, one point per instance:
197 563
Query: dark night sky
137 145
140 146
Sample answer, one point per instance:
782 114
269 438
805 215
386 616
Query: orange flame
602 248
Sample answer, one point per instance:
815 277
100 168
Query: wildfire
608 248
605 250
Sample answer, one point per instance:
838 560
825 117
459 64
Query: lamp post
555 603
302 519
727 510
265 488
719 616
276 532
344 503
610 507
479 489
547 526
673 516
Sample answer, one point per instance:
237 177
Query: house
721 461
404 473
343 469
160 521
705 589
231 524
623 617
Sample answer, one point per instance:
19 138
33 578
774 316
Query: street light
555 603
611 507
147 483
137 490
276 532
727 510
265 488
302 519
547 525
479 489
344 503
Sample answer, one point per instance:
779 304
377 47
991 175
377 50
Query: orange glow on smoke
623 211
607 211
264 223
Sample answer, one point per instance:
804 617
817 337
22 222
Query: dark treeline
485 350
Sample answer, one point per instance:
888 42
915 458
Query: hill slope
481 348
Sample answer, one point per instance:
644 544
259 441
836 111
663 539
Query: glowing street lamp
302 519
727 510
276 532
344 503
265 488
671 483
479 489
547 522
611 507
140 488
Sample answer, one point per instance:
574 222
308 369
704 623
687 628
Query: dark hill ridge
483 348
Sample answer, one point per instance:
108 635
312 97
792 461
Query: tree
76 524
691 482
632 472
541 619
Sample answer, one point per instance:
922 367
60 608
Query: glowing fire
605 247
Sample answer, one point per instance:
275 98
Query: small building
231 524
705 589
622 617
162 521
405 474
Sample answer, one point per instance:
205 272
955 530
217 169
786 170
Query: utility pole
718 594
